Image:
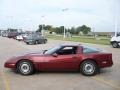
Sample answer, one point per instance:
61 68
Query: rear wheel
115 45
27 43
36 42
25 67
45 41
89 68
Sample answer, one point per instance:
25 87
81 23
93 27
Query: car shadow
102 72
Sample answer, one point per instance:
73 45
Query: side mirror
44 51
55 55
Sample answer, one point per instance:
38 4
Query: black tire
36 42
25 67
115 45
27 43
89 64
45 41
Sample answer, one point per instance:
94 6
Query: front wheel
89 68
115 45
25 67
27 43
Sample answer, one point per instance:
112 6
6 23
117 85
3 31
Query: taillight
110 57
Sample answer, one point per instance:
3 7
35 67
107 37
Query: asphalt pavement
108 79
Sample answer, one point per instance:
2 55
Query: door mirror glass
44 51
55 55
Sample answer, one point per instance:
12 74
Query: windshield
31 36
52 50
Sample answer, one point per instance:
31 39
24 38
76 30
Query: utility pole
116 27
116 24
64 10
93 32
42 31
64 32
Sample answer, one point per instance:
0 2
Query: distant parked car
115 41
4 34
25 35
12 35
35 39
19 37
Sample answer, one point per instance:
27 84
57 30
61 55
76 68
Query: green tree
47 27
58 30
61 29
78 29
84 29
39 29
72 30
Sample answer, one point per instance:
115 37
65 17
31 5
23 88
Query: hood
29 53
24 55
34 53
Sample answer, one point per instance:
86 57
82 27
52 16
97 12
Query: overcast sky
28 14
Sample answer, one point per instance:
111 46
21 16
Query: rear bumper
19 38
106 63
9 36
29 41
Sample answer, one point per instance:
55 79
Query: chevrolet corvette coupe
81 58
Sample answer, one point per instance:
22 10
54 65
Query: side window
86 50
118 34
67 50
38 36
89 50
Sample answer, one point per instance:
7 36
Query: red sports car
81 58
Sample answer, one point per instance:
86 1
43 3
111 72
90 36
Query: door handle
74 57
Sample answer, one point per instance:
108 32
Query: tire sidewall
115 45
45 41
36 42
25 62
82 68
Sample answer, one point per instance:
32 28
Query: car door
118 38
61 62
39 38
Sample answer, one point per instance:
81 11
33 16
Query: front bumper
30 41
115 41
9 65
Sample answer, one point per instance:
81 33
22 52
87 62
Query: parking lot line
5 80
106 82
